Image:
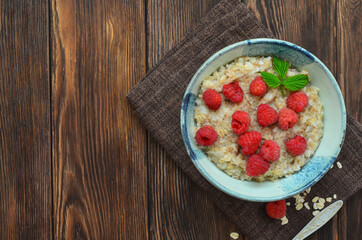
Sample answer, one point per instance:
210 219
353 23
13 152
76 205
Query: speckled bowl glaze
334 122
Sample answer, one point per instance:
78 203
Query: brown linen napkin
157 101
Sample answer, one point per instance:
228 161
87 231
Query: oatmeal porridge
226 149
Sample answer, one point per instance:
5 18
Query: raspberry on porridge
261 115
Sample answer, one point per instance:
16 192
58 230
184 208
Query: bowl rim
191 84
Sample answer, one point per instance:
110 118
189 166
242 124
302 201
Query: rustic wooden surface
75 162
99 147
25 131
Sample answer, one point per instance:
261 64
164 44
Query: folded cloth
157 101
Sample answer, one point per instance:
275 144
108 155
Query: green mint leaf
296 82
280 67
270 79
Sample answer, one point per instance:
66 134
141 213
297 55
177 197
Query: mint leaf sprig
291 83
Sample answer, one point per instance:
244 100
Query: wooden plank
349 31
305 23
177 207
352 226
100 175
25 157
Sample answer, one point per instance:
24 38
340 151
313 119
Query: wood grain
349 33
75 162
349 64
100 175
25 160
177 207
303 23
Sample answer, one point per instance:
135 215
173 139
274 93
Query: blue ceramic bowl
334 122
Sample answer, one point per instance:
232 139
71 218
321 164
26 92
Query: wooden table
75 162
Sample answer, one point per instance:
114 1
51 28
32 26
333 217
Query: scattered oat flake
288 203
321 200
299 206
305 194
296 196
315 199
335 196
339 165
315 206
234 235
331 166
320 206
284 220
329 199
308 190
315 213
306 205
298 199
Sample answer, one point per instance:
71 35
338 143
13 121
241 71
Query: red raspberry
266 115
206 136
276 209
240 122
249 142
233 92
296 145
212 99
270 151
287 118
297 101
256 166
258 87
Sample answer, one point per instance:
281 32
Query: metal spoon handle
319 220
